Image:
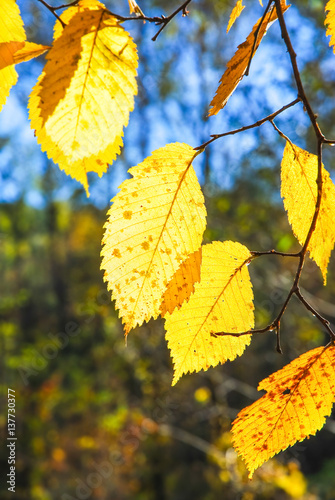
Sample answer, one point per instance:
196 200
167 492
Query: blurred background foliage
96 419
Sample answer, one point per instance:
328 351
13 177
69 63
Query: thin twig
293 58
248 127
310 308
162 21
256 37
53 10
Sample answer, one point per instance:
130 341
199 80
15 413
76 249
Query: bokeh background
96 419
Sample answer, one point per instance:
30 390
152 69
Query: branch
248 127
256 37
293 57
310 308
162 21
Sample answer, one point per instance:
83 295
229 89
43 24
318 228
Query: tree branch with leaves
154 260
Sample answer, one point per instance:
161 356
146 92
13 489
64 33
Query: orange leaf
181 286
238 64
299 398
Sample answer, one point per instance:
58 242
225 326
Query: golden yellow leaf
82 100
7 51
238 64
29 51
330 22
299 172
17 52
134 8
298 398
221 302
11 31
181 286
155 222
236 12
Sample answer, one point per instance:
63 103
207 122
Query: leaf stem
268 118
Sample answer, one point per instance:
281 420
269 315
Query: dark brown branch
52 10
256 36
275 252
310 308
161 21
293 58
248 127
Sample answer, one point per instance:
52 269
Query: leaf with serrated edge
11 30
84 96
181 285
299 171
238 64
235 13
330 22
221 302
155 222
298 399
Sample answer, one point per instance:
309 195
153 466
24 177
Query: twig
248 127
310 308
53 10
162 21
256 37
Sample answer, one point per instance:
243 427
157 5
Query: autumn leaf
11 34
298 399
155 222
29 51
181 285
299 171
83 98
222 302
236 12
238 64
17 52
134 8
330 22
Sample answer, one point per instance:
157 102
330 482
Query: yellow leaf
299 172
238 64
222 302
236 12
17 52
181 286
297 400
29 51
82 100
330 22
7 51
155 222
134 8
11 31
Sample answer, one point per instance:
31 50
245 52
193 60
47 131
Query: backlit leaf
221 302
155 222
330 22
134 8
236 12
181 286
298 398
29 51
238 64
83 98
11 31
17 52
299 172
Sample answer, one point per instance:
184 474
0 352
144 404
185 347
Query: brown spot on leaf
116 253
145 245
127 214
